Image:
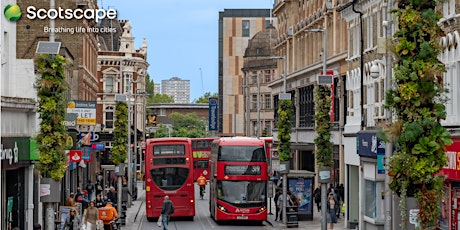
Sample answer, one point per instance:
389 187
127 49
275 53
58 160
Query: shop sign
10 154
368 144
452 168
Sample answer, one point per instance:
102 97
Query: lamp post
323 183
234 113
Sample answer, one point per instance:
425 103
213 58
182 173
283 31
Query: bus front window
242 192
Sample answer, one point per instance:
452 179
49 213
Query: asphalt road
201 221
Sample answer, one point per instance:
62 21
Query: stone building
259 68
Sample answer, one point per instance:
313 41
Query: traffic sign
324 79
284 96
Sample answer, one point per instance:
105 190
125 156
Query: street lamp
326 179
234 113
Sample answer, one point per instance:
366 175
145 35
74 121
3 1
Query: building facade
302 28
121 72
259 69
177 88
236 27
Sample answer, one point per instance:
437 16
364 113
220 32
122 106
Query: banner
212 117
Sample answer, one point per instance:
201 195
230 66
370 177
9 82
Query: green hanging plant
120 134
417 100
51 139
284 130
323 126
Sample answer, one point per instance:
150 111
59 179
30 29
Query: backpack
105 214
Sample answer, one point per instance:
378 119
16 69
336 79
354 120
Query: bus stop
300 183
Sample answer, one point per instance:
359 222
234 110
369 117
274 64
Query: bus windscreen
242 154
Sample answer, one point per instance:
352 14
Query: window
160 150
109 84
373 203
268 101
201 164
242 154
267 76
128 79
254 101
245 27
242 192
109 117
170 178
306 106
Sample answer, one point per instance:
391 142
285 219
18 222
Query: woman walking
90 216
73 221
332 205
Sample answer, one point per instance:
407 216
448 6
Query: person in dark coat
317 197
166 210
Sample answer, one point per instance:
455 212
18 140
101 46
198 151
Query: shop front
450 212
18 183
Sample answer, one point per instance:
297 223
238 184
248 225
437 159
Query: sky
181 36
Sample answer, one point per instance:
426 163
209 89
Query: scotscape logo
12 12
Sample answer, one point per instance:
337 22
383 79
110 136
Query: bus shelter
301 184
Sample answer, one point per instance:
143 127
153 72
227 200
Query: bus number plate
241 217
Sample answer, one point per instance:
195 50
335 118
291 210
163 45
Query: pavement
136 211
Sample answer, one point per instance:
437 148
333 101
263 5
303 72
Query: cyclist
202 183
108 214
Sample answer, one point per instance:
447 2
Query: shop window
373 203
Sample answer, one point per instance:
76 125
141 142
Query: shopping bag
160 219
99 225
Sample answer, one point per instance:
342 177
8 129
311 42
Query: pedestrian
70 201
332 206
91 215
107 214
281 203
112 195
99 202
90 189
37 227
99 188
317 195
166 210
277 195
73 221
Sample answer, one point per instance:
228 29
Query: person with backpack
107 214
202 183
166 210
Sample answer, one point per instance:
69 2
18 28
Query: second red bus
201 148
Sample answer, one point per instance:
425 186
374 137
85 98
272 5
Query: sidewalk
135 213
315 224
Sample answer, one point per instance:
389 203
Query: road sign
324 79
284 96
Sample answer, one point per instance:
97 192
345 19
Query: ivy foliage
284 129
417 100
120 133
51 139
323 126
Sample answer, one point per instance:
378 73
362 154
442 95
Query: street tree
205 97
417 100
51 138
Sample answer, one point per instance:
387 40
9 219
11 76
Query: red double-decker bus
201 148
238 184
169 171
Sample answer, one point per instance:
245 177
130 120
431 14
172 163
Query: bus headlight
261 209
221 208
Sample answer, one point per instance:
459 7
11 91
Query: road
202 218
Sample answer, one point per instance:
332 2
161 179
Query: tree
51 138
160 98
416 99
187 125
120 133
284 130
205 97
323 126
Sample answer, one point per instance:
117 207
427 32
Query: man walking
166 210
317 196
